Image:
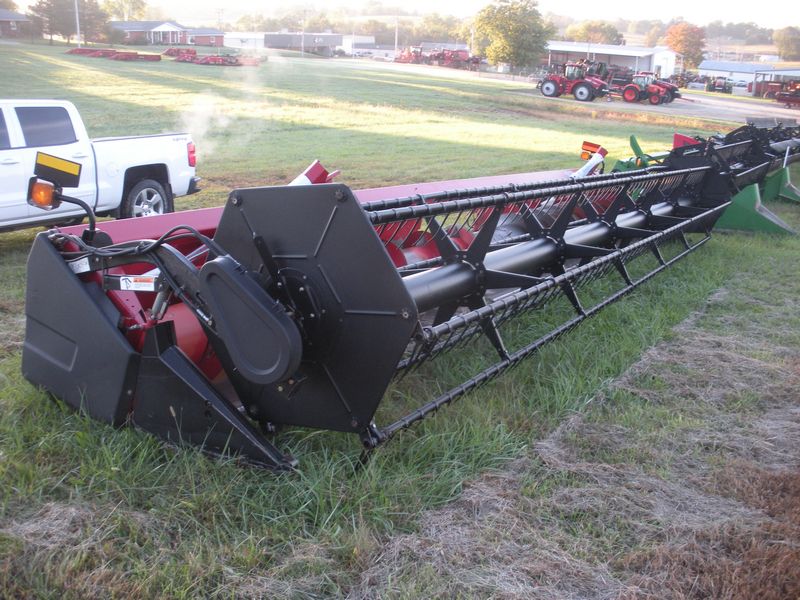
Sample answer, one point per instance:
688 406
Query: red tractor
643 87
574 81
412 55
673 91
789 99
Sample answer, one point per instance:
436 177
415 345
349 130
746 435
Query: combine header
757 156
300 305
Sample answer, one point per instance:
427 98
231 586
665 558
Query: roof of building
735 67
322 39
373 47
204 31
443 46
142 25
615 49
10 15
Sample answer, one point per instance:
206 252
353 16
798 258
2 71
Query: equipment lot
703 105
623 450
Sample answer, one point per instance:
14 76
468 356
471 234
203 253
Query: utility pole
396 29
303 35
77 25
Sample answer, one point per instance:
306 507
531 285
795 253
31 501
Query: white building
738 71
659 60
351 43
244 39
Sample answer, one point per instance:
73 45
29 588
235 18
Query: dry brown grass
735 561
681 481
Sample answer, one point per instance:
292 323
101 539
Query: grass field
86 511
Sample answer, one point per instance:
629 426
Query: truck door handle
79 155
9 161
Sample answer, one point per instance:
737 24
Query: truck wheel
630 94
146 198
583 92
549 89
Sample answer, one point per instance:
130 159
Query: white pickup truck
123 177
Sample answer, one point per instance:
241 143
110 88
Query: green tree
125 10
644 27
54 17
468 32
688 40
518 35
93 20
655 33
788 42
8 4
597 32
436 28
382 32
317 22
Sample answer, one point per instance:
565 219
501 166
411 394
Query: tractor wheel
670 96
583 93
630 94
655 99
550 89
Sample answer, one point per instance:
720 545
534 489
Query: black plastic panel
354 310
72 345
262 341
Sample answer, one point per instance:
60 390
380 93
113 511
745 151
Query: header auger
300 305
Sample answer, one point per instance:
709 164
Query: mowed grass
89 511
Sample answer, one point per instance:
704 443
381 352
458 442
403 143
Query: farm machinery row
187 55
190 55
302 305
445 57
113 54
588 80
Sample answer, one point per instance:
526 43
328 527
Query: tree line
514 31
505 31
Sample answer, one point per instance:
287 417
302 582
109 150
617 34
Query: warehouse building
323 44
659 60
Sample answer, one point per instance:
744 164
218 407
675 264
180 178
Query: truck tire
630 94
583 92
549 89
148 197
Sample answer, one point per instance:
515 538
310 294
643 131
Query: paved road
721 107
730 108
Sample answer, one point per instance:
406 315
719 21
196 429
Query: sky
772 14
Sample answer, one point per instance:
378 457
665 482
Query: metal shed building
659 59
